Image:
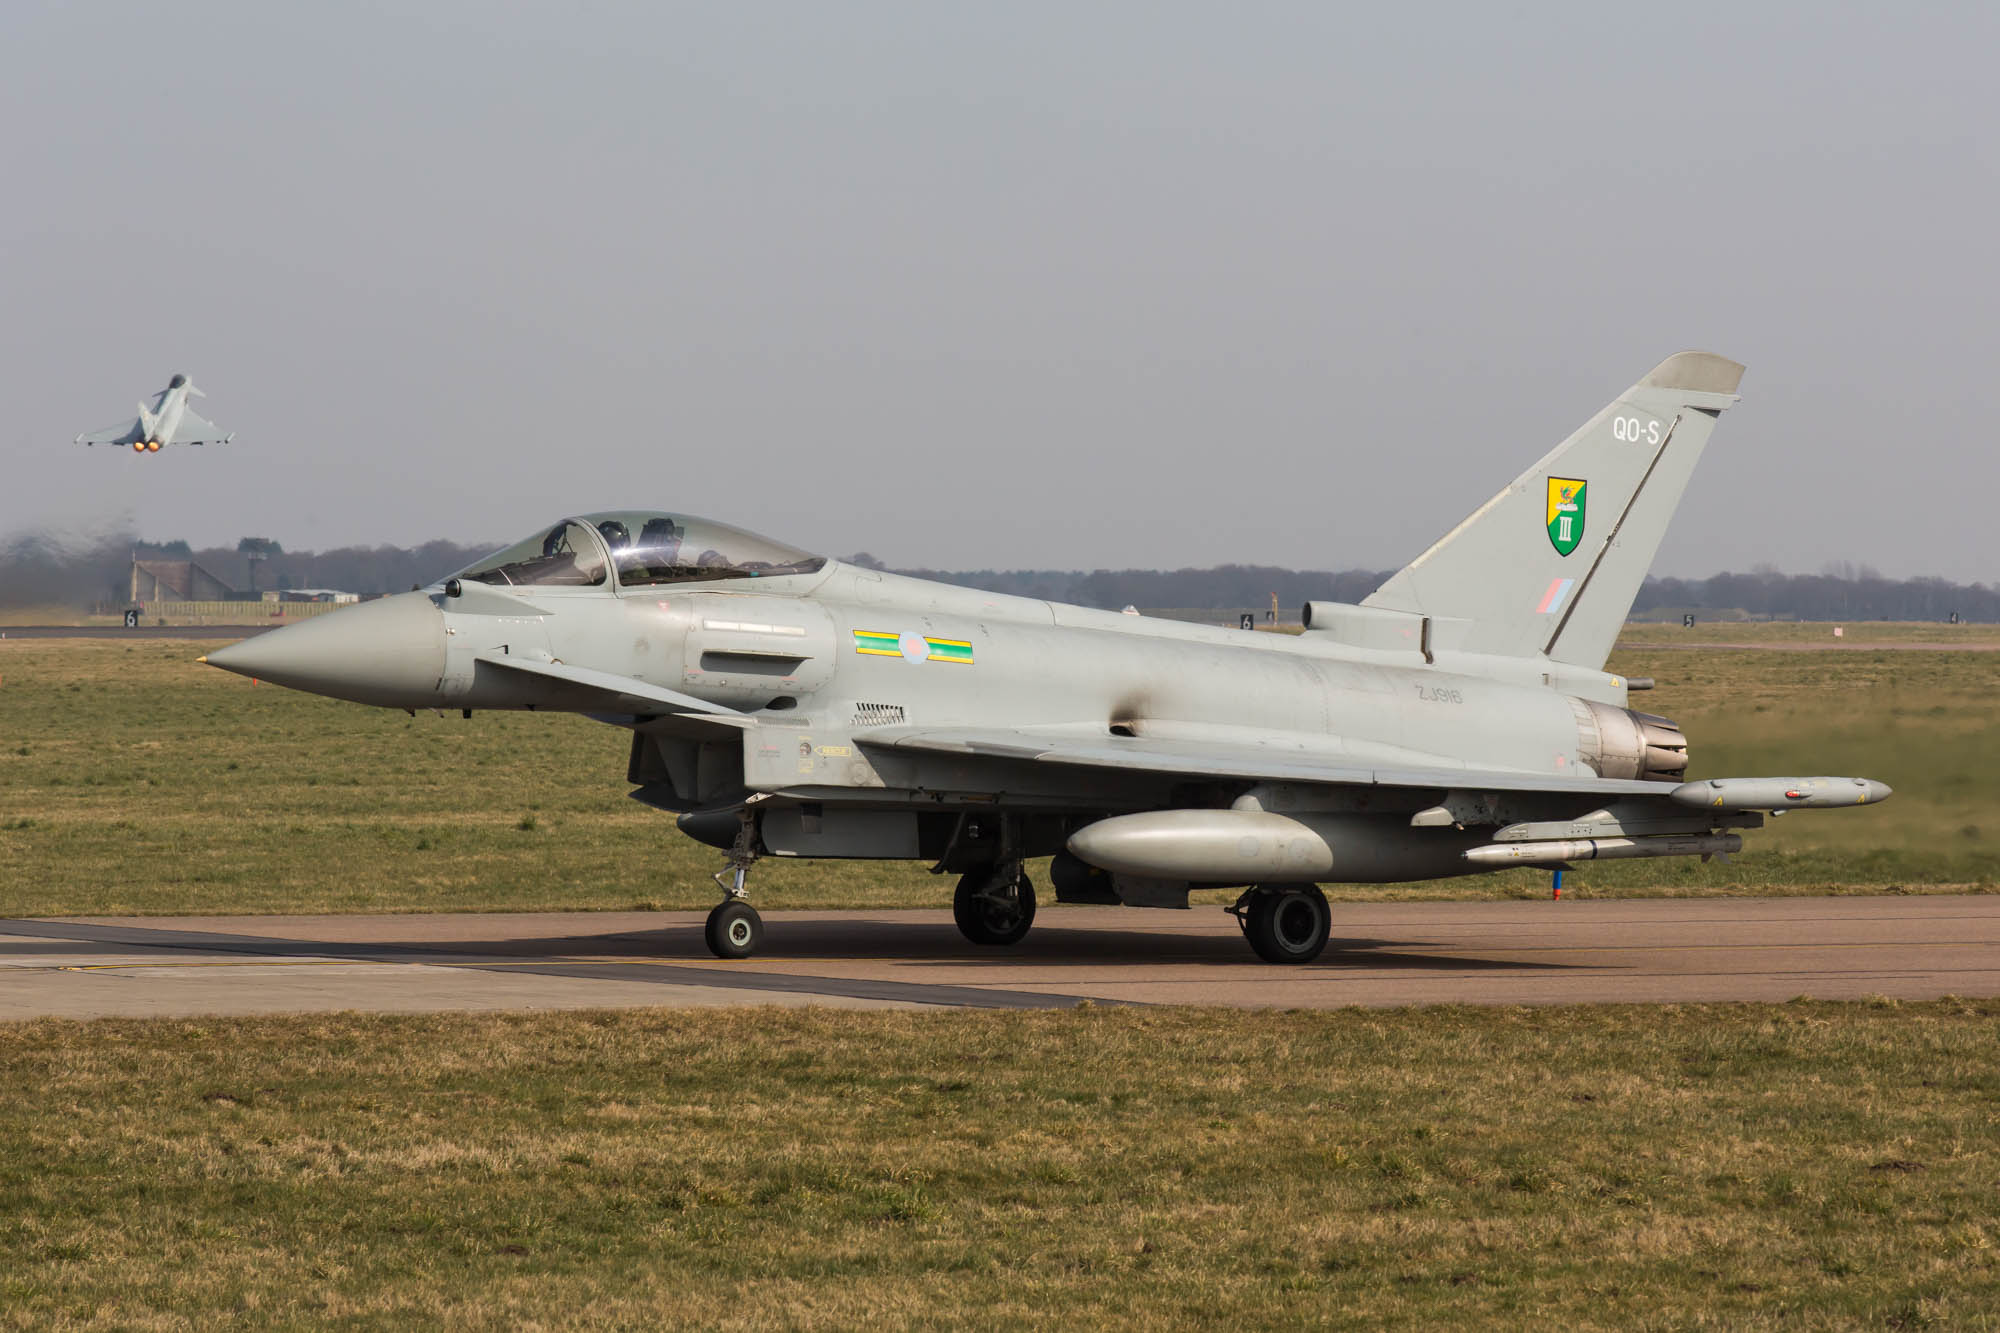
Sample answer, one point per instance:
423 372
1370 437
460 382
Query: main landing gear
994 905
1285 923
734 930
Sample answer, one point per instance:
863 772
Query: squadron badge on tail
1566 499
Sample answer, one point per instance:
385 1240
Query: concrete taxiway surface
1647 951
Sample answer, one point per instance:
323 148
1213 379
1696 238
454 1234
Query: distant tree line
1115 589
1765 594
362 569
41 568
46 569
1841 593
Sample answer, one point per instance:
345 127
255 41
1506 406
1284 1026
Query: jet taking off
169 420
781 704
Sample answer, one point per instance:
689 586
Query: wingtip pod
1695 372
1780 793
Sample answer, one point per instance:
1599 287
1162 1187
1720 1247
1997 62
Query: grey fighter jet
167 420
1458 720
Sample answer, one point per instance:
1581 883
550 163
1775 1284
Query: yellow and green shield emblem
1566 497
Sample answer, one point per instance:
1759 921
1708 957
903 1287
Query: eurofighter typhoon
1458 720
167 420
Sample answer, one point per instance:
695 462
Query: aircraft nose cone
388 652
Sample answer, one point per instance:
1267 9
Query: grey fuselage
818 668
1031 664
162 425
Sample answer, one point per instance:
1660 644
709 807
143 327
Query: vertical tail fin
1552 563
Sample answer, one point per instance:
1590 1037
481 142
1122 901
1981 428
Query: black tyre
734 930
1288 923
994 913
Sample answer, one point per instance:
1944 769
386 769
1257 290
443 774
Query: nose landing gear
734 930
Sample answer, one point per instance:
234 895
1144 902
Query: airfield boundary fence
218 613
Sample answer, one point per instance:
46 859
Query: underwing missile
1601 849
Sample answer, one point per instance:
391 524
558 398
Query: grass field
1808 1164
133 780
1776 632
42 615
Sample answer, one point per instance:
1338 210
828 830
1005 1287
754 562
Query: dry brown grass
1639 1167
1796 633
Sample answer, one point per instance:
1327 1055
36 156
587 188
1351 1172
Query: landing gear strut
1285 923
734 929
995 905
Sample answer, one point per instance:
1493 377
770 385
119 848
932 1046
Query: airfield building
177 581
333 595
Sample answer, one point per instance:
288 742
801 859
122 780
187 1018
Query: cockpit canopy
643 548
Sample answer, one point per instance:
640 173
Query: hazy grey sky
1017 285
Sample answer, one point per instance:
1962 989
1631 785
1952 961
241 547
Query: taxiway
1632 951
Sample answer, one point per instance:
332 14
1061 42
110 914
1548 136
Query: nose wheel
734 929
